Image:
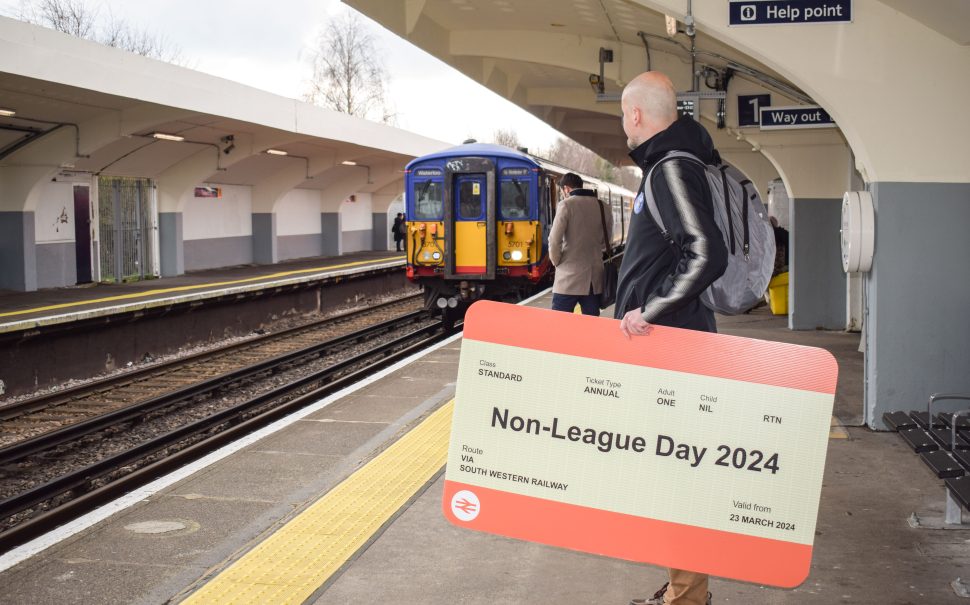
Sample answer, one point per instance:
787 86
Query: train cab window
428 202
515 199
469 200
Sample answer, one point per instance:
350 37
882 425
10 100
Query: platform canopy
543 54
85 108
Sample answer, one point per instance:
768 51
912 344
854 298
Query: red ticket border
639 539
744 359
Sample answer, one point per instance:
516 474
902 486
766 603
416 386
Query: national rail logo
465 505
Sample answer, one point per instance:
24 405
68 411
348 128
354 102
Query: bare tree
574 156
507 137
81 18
118 33
67 16
348 74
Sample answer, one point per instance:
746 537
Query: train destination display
683 449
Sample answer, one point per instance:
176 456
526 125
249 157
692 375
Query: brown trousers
686 588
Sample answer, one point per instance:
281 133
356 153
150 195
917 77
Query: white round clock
858 231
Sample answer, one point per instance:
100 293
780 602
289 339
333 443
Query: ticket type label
682 449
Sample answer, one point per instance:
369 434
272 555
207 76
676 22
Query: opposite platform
25 310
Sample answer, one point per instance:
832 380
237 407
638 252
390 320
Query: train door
470 235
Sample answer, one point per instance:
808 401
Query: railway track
52 477
29 418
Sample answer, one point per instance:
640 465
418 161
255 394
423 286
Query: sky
267 46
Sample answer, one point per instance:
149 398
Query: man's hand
633 324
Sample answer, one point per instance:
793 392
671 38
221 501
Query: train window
428 201
469 200
515 199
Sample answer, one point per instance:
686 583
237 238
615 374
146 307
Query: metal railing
128 228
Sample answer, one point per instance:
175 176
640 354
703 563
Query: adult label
684 449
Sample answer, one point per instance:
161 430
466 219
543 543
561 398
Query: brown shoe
658 598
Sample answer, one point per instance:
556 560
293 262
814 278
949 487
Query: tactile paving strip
296 560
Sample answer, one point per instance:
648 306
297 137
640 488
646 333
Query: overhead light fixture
167 137
353 163
7 112
276 152
671 25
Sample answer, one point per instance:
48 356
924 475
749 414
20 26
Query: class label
682 449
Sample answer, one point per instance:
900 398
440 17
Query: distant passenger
576 245
662 277
781 246
398 230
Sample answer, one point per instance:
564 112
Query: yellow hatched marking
197 286
299 558
837 430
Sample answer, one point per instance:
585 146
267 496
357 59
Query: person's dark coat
397 229
665 279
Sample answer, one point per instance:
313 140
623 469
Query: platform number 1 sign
749 109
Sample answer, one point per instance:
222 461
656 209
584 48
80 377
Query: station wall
217 231
298 224
54 237
356 224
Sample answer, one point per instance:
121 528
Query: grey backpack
743 220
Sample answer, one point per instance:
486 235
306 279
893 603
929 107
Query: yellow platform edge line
196 286
837 429
302 555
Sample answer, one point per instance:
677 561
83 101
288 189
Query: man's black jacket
665 279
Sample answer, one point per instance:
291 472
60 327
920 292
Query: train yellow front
478 219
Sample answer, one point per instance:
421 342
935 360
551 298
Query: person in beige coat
576 245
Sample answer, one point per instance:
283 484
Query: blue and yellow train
478 219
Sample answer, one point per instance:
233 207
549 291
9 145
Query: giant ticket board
683 449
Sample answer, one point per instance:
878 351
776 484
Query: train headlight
516 255
426 255
436 256
507 255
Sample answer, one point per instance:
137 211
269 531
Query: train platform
24 310
50 338
341 503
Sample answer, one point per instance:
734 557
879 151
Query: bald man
663 274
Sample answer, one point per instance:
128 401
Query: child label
683 449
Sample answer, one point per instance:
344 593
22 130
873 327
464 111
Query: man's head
571 181
649 106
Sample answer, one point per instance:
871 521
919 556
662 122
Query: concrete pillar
918 297
330 233
18 253
171 249
380 231
817 298
265 245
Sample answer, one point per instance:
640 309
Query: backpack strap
727 206
746 248
606 237
648 188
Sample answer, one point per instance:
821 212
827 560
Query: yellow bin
778 294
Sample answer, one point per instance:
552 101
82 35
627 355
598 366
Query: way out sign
801 116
